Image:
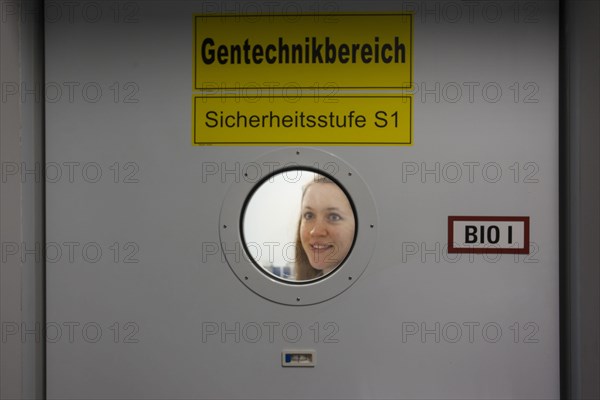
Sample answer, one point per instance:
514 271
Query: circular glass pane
298 226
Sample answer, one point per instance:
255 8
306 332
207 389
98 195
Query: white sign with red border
485 234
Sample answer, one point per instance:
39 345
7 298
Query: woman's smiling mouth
320 246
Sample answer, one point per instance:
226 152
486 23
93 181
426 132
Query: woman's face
326 225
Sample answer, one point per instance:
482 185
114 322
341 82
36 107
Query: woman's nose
318 229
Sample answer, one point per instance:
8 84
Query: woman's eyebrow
326 209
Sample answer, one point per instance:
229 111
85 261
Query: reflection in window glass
299 225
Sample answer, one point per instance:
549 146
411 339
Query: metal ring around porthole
315 291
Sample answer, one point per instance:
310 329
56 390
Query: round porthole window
298 225
306 230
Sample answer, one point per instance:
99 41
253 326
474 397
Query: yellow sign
302 120
303 51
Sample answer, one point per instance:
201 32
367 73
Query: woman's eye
335 217
308 215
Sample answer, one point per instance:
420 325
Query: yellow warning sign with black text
303 79
305 51
306 120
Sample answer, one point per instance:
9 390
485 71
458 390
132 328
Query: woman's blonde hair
303 270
